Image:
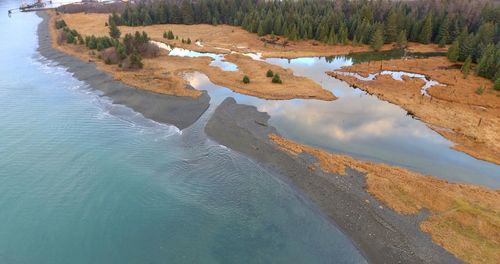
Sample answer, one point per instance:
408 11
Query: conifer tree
377 40
486 65
496 84
454 51
260 30
391 27
114 32
466 67
443 34
402 42
426 31
466 47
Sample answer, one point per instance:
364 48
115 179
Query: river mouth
87 181
359 124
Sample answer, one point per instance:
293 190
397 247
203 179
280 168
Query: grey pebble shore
381 234
175 110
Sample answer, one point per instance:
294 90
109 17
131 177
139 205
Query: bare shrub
110 55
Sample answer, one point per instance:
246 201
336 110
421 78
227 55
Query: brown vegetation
464 219
164 73
456 110
225 38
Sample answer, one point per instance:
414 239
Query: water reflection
397 75
218 59
359 124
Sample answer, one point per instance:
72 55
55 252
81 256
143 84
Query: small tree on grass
136 61
496 85
453 51
276 78
466 67
480 90
60 24
377 40
114 32
402 42
246 79
269 73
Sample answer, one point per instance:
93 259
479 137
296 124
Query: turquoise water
85 181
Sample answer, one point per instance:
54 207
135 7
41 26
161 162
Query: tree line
472 25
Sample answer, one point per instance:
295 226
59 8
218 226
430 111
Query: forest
470 28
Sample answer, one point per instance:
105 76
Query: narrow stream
359 124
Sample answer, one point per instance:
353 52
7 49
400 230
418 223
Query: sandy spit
179 111
381 234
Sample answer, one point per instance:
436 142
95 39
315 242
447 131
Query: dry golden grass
464 219
164 73
225 38
470 120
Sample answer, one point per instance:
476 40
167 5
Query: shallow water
86 181
360 125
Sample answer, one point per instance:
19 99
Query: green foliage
269 73
391 27
72 36
466 67
480 90
402 42
60 24
453 51
135 61
487 65
377 39
333 22
496 84
276 79
246 79
443 34
426 32
168 34
114 32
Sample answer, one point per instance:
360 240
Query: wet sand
181 111
381 234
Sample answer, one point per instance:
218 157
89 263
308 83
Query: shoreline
455 111
179 111
381 234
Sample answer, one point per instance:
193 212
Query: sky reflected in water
359 124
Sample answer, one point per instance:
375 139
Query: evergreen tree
246 79
114 32
391 27
443 33
426 31
260 30
269 73
486 66
276 78
496 84
466 47
377 40
343 34
402 42
187 12
454 51
466 67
